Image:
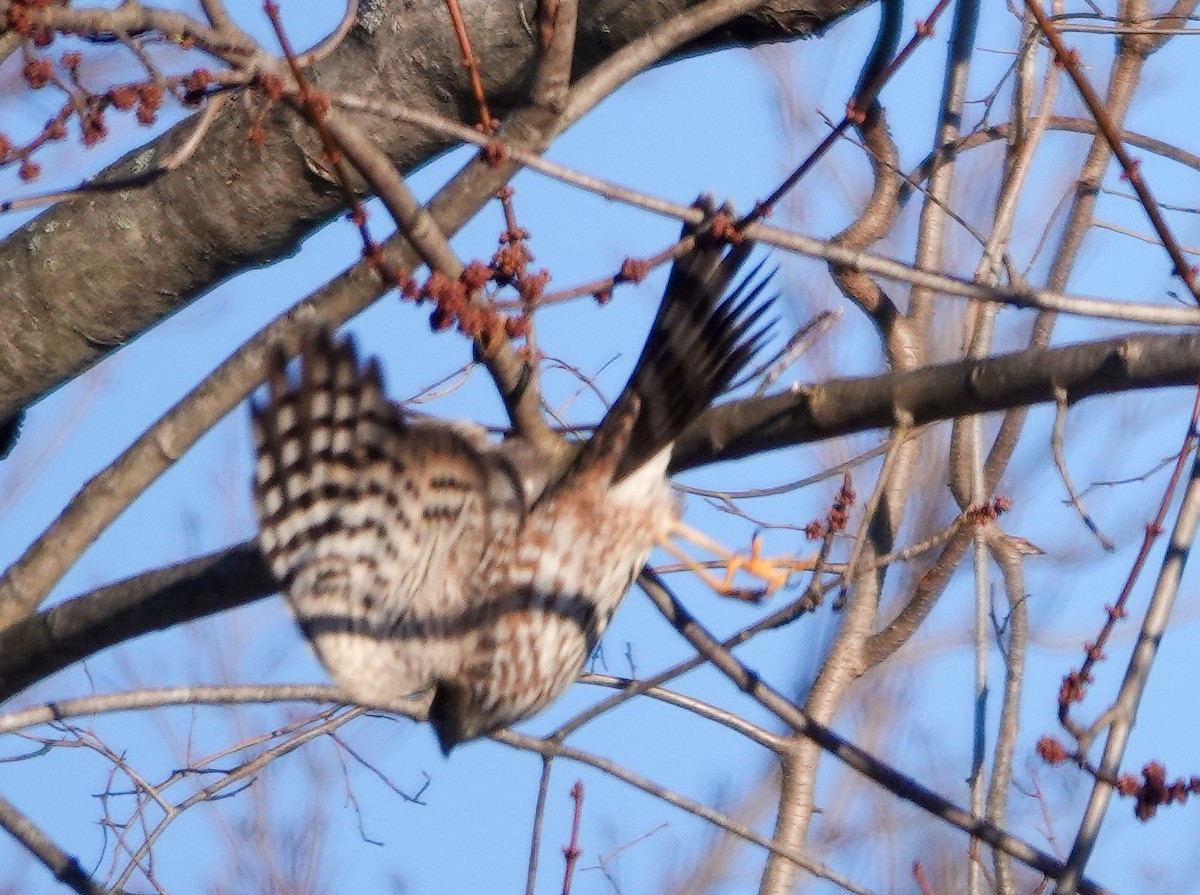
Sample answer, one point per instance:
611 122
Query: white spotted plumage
414 555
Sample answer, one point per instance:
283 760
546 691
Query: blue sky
708 124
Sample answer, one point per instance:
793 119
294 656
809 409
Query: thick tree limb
939 392
53 639
88 276
60 636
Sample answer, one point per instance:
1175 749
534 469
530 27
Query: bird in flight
422 558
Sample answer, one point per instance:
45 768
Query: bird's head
454 716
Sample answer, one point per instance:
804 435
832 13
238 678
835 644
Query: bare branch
64 867
66 633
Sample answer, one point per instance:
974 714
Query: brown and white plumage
411 553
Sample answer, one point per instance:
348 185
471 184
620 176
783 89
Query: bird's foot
773 571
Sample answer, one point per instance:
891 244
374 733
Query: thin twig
1130 167
1060 460
539 819
572 851
558 750
1009 554
1154 626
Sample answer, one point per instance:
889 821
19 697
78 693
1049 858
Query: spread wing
367 518
699 342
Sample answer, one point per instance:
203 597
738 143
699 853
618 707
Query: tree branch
137 257
55 638
938 392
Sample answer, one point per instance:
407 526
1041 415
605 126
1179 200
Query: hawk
419 557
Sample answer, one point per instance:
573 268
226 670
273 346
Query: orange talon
773 570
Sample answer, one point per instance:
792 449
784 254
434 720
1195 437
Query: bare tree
961 268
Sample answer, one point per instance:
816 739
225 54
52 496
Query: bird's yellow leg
772 570
704 574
